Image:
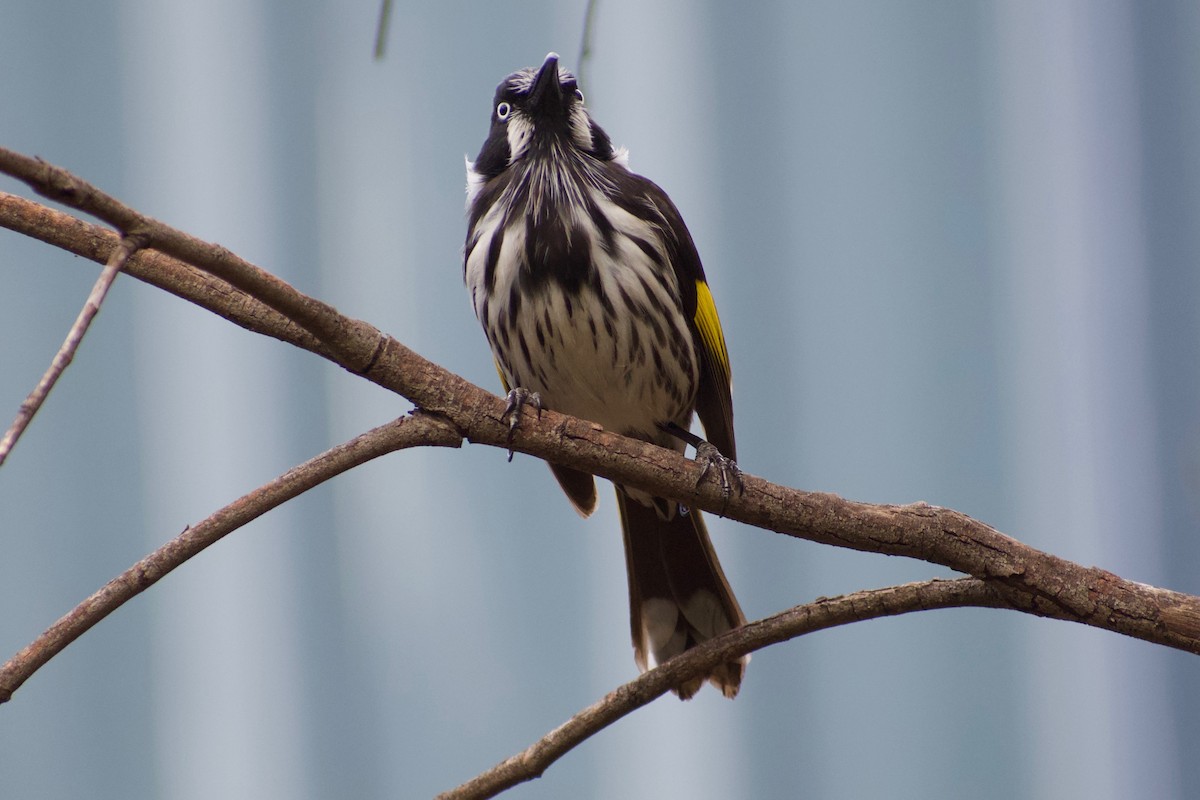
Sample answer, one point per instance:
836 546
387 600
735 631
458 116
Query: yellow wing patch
709 325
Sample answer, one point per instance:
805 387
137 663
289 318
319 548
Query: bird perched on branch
591 293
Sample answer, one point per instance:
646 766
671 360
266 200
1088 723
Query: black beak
545 95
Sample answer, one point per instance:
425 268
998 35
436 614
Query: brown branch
816 616
66 353
96 243
419 429
1026 578
355 342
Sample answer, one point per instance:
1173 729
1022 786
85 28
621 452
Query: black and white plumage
591 293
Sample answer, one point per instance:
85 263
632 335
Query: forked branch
1007 573
1026 578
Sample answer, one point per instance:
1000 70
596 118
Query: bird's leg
708 454
516 400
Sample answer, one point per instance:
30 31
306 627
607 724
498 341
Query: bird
594 301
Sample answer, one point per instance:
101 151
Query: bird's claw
730 474
515 402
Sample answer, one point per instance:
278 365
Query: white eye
579 95
502 111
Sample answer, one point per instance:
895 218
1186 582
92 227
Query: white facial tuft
581 127
519 130
475 181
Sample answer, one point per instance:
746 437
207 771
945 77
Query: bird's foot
516 400
727 469
708 455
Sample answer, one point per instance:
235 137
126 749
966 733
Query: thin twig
418 429
819 615
66 354
381 33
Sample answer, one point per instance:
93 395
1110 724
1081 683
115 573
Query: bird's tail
678 595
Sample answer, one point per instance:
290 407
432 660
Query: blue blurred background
955 248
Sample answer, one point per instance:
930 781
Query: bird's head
539 113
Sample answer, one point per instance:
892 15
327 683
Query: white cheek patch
519 131
475 182
581 128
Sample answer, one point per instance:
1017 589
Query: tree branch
419 429
1031 580
179 278
347 337
797 621
1027 579
1007 573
